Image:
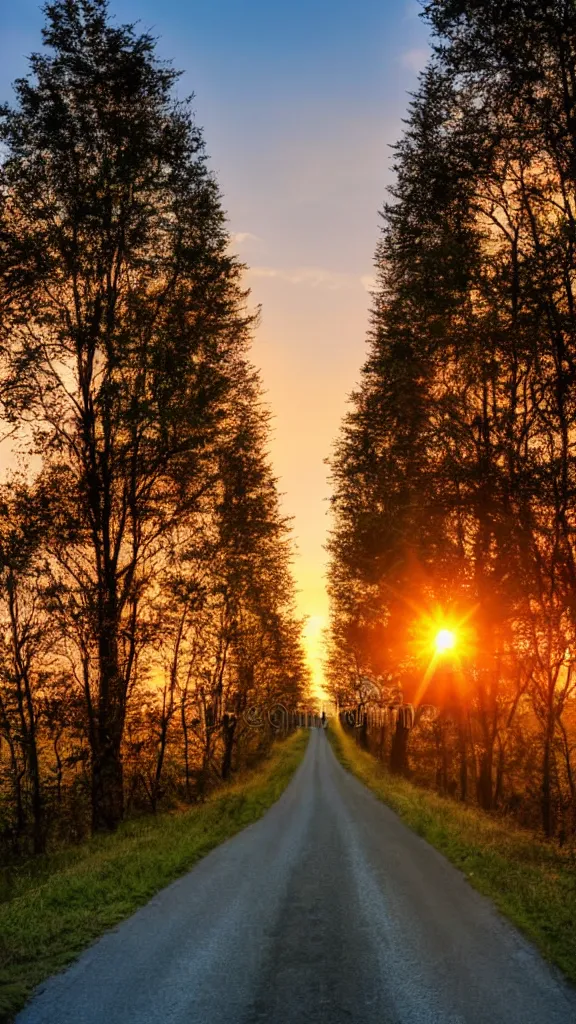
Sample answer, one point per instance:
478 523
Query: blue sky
299 104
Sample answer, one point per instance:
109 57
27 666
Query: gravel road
327 910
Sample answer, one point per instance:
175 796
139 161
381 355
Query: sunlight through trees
454 472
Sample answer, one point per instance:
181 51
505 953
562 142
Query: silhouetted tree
124 336
454 472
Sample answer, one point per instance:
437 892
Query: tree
123 324
456 491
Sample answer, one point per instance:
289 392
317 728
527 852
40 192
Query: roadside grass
60 903
532 882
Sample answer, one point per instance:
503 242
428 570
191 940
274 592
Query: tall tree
123 325
474 307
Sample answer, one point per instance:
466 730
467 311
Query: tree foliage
124 343
454 471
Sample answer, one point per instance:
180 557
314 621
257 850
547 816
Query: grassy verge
61 903
533 883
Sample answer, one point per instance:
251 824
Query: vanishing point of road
327 910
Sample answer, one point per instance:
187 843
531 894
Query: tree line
146 596
454 472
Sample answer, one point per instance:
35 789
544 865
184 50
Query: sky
300 103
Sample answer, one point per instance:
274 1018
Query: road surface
327 910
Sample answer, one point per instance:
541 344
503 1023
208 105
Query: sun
445 640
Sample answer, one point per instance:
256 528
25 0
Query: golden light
445 640
314 640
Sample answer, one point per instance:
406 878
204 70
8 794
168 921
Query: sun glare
445 640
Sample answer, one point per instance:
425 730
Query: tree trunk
442 754
186 741
363 734
38 831
399 751
546 802
382 743
107 768
229 723
498 788
107 788
485 787
463 751
27 716
59 773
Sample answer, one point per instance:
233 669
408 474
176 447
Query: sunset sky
299 103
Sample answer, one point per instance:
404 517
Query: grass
58 904
532 882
